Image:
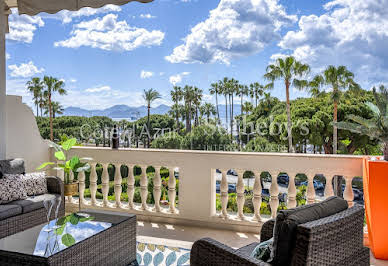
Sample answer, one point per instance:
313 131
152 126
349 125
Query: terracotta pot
71 189
376 206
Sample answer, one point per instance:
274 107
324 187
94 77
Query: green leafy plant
67 239
377 126
74 164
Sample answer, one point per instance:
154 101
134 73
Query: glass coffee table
77 239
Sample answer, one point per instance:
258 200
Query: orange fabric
376 206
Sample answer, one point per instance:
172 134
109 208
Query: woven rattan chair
334 240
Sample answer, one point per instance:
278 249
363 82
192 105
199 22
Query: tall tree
35 86
150 96
52 85
242 91
233 88
56 107
208 109
215 90
197 98
177 96
256 90
224 90
288 70
188 96
338 78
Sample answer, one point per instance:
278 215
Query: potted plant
375 179
73 164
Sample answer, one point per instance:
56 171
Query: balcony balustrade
197 171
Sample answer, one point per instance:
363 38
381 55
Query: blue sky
108 56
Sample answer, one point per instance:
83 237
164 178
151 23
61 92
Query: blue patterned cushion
263 250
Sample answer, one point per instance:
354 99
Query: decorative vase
71 189
376 202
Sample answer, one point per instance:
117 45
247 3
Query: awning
33 7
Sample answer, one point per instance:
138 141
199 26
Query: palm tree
56 109
177 96
256 90
288 70
208 109
198 93
233 86
247 107
241 92
35 86
150 96
377 126
188 96
339 78
215 89
223 85
52 85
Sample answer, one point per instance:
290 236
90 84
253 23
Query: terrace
194 214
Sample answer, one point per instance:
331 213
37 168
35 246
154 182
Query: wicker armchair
334 240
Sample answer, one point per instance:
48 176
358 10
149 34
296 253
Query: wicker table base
114 246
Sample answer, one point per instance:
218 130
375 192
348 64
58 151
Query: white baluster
118 188
157 188
348 193
329 185
224 194
171 189
291 198
274 194
257 197
143 187
93 183
131 187
310 188
105 183
240 194
81 180
71 179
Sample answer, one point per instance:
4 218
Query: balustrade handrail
197 178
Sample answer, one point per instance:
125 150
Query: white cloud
146 16
235 28
7 56
23 27
73 80
350 33
146 74
178 78
67 16
25 70
98 89
109 34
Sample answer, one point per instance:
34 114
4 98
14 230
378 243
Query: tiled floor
185 236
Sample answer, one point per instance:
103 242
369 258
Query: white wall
23 137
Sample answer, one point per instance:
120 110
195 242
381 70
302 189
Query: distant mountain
117 111
133 113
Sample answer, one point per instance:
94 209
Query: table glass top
48 239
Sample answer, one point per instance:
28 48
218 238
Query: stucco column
3 122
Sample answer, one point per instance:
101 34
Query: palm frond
373 108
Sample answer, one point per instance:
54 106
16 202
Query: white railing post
118 188
81 180
144 187
224 194
157 188
310 188
131 186
105 183
291 197
93 183
329 186
274 194
240 194
171 189
256 200
348 193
